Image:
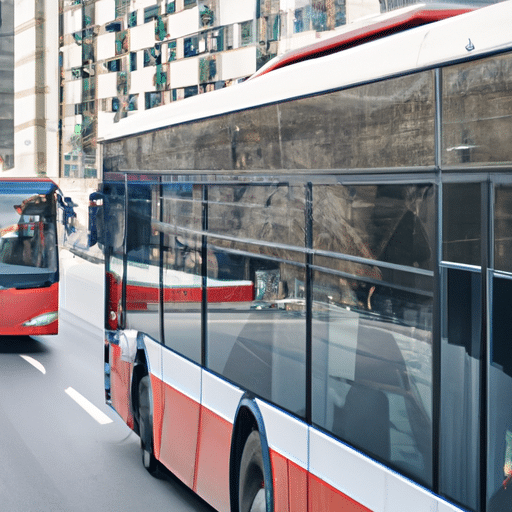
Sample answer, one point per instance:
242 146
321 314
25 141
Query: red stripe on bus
120 375
322 497
158 408
180 424
290 484
280 480
212 470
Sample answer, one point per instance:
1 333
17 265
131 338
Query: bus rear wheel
146 428
251 491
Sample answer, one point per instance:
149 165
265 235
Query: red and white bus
308 276
29 269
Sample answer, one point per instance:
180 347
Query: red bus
308 277
29 263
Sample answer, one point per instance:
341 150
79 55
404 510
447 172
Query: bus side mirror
95 229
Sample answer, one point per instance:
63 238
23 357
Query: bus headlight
41 320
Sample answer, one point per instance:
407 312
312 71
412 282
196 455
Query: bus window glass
142 251
182 266
461 331
27 233
383 124
499 473
503 228
256 322
477 112
390 223
372 369
462 223
270 213
114 215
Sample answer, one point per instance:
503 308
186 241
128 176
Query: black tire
251 487
146 427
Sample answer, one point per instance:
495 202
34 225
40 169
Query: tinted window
476 112
28 239
182 267
142 247
256 324
256 291
461 330
462 223
372 369
503 228
272 213
500 389
391 223
387 124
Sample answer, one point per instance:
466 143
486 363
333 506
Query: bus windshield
28 255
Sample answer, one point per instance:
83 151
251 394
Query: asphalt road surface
61 447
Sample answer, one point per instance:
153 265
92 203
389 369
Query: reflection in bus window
142 269
372 374
499 474
27 231
391 223
257 327
182 266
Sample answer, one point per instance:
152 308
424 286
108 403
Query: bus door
475 357
499 378
461 340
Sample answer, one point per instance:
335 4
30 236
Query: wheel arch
248 417
140 369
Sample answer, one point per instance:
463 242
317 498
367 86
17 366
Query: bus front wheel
146 428
251 491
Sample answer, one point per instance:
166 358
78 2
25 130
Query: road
57 454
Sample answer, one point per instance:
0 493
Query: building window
170 8
153 99
116 104
190 91
191 46
133 101
207 14
114 65
246 33
207 69
122 44
152 56
298 21
132 19
133 61
160 29
150 13
88 15
171 51
188 4
122 7
160 77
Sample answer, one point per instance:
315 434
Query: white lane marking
34 363
88 407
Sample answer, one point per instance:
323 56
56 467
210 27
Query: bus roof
366 30
454 39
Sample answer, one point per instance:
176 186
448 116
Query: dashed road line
34 363
88 407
